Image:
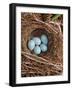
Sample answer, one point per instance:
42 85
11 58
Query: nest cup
37 33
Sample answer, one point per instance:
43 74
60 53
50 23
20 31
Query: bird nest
47 63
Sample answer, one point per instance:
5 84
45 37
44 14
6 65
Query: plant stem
55 17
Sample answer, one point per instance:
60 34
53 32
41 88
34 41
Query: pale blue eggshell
37 40
31 44
37 50
44 39
43 47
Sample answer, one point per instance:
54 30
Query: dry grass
45 64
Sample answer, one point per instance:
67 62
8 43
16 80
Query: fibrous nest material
50 62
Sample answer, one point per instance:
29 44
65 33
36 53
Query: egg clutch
38 44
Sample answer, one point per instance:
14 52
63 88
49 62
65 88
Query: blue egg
37 50
43 47
44 39
37 40
31 44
